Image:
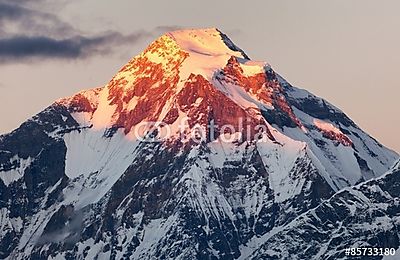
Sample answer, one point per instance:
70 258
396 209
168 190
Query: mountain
191 151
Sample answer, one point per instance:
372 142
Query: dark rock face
231 45
24 198
318 108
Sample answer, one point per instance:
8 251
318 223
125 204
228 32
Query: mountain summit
191 151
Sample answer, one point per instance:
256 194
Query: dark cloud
22 47
40 35
8 11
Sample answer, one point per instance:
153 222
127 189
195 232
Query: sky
346 51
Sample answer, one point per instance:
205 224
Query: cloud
25 47
8 11
29 34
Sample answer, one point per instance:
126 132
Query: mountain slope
366 215
192 150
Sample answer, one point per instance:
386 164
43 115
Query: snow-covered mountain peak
183 52
148 86
209 42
